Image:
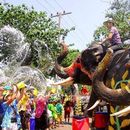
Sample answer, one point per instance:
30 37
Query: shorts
59 117
13 126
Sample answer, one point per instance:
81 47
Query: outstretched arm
15 91
20 94
109 37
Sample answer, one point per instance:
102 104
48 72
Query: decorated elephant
109 79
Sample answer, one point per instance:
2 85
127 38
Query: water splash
31 76
14 50
43 54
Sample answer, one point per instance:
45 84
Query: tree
120 12
70 57
35 25
38 29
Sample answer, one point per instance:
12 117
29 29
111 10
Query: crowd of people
23 108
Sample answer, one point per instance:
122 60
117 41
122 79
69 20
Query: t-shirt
52 108
49 113
67 109
40 106
10 110
59 108
116 39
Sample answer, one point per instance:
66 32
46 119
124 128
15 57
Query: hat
109 20
21 85
7 87
53 90
35 92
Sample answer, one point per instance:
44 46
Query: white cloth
13 126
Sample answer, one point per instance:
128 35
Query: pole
59 15
129 4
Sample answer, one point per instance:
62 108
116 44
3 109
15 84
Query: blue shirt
9 111
59 108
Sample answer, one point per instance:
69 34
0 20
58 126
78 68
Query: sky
86 16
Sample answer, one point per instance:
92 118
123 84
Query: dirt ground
65 126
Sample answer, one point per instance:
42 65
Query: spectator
11 119
67 111
59 110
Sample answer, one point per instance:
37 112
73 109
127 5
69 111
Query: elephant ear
88 59
92 56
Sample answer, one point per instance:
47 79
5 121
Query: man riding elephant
113 37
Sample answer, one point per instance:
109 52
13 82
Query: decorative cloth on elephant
70 70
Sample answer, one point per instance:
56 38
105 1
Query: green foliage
35 26
101 31
73 54
120 12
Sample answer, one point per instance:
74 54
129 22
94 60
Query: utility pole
59 15
129 4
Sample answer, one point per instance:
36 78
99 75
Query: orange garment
70 70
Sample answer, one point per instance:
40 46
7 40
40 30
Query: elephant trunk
116 97
58 68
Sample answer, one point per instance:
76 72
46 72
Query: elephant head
81 70
84 67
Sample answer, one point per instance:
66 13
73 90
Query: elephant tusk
96 53
95 105
121 112
127 65
124 114
120 115
66 82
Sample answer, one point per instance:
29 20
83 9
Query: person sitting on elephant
114 36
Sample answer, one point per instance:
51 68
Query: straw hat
109 20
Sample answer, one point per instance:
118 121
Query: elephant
109 78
